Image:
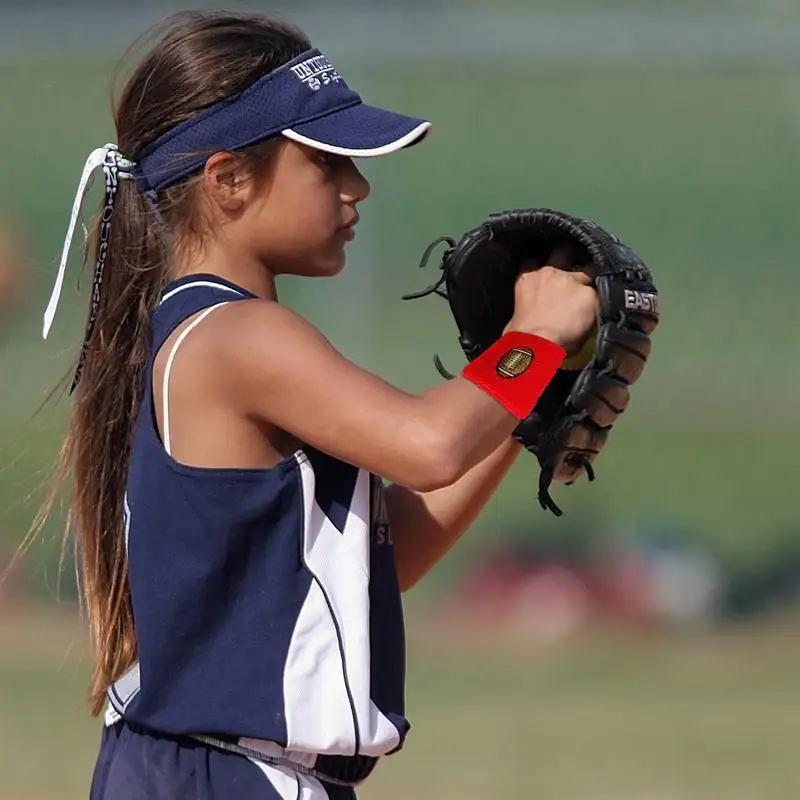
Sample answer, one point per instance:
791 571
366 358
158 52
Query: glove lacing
578 460
435 288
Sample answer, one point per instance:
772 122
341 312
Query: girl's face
299 221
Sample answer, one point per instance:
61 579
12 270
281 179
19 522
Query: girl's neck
247 273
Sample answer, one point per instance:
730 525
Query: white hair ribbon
115 167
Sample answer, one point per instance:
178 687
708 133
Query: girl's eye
325 160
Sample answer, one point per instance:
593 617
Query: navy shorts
134 764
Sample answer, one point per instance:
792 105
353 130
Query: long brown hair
197 59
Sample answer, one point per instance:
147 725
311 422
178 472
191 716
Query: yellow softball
584 355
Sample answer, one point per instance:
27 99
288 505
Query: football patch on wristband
516 369
515 362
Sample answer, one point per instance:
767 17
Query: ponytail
131 266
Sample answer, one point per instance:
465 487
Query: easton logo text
642 301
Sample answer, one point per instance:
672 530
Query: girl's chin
331 266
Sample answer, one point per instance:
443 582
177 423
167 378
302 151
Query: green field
604 718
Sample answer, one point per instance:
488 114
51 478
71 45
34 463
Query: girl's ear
227 181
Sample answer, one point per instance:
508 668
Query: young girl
240 559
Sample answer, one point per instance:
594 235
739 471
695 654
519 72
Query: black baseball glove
571 421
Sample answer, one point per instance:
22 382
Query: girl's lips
347 231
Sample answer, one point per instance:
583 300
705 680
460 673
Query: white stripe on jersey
191 285
327 673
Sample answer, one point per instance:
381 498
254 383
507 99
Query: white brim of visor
412 137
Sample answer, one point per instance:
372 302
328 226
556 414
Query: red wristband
516 369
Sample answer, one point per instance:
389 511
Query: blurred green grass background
696 168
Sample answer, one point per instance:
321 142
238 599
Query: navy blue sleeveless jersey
266 602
